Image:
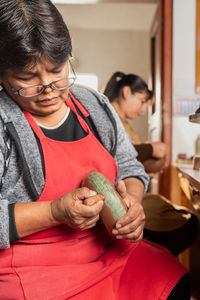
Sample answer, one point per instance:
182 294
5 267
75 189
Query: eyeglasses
35 90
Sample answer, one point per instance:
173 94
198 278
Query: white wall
102 51
106 51
109 16
184 31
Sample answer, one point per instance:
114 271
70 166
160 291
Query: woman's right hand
73 209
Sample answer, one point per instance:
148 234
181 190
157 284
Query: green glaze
103 186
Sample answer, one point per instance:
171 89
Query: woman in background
151 154
169 225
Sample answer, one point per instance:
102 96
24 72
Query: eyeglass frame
44 86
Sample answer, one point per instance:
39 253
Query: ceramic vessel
114 207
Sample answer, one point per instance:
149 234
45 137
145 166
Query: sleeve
13 234
8 230
144 151
125 157
4 213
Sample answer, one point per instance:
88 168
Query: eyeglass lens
57 85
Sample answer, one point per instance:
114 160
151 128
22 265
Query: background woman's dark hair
30 29
118 80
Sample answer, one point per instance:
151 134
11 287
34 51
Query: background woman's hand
131 225
73 209
159 149
154 165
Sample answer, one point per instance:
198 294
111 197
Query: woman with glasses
52 135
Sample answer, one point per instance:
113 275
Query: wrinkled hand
130 226
159 149
73 209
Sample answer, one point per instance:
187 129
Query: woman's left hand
131 225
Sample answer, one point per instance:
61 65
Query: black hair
30 29
119 79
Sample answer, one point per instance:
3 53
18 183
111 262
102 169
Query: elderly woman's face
44 72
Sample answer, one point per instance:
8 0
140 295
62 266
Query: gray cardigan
21 175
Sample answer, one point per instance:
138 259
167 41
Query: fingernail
118 226
102 196
92 193
114 231
119 237
100 201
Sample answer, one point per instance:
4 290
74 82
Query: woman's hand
79 208
160 149
154 165
130 226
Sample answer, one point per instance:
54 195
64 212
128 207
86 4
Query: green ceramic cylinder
114 207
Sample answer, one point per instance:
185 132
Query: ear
126 92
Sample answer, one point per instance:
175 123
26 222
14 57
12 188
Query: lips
48 101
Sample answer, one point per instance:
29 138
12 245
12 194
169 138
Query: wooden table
188 191
189 181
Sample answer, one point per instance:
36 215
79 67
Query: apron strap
79 105
71 105
36 128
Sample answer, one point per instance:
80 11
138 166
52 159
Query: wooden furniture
189 180
188 194
198 46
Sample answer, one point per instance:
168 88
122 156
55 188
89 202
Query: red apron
60 263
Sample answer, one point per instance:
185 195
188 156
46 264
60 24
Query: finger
132 226
141 236
132 236
83 193
94 199
76 223
91 211
82 223
92 220
137 239
121 188
89 226
125 220
129 228
91 223
133 214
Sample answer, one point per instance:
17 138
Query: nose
47 89
46 82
